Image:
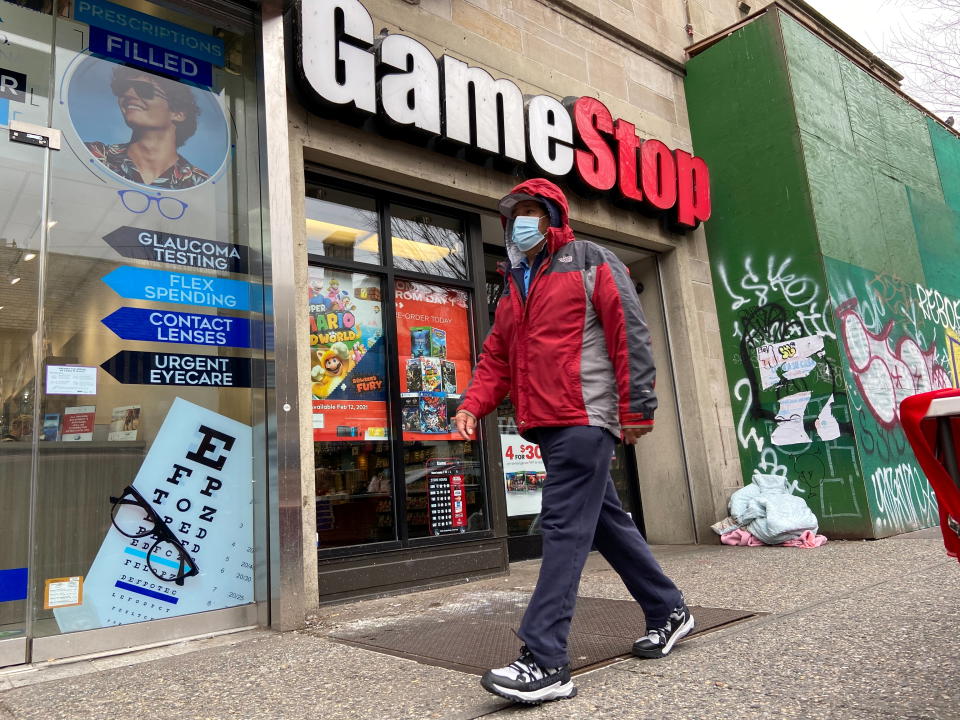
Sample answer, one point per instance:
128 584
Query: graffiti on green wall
789 392
895 337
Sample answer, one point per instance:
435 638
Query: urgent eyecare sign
345 65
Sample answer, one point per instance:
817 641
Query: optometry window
132 406
390 468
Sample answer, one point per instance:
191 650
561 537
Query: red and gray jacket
573 350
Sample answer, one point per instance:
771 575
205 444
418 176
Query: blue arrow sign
177 327
185 289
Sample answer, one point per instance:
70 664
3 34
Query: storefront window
354 490
388 465
441 472
134 240
342 225
428 243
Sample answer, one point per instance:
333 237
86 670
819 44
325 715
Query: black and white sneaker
659 641
525 681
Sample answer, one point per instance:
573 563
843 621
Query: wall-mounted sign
185 289
133 367
149 29
177 327
139 53
140 244
345 65
13 85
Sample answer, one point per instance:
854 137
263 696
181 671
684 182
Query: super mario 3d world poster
347 362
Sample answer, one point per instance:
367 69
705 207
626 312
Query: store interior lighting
411 249
326 232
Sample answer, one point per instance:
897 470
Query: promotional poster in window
433 337
347 364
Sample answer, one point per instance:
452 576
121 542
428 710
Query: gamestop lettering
344 65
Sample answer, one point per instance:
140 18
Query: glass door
132 326
25 50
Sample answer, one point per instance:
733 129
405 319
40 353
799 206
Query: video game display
434 342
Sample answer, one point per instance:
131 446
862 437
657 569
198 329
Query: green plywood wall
836 221
887 236
946 149
768 276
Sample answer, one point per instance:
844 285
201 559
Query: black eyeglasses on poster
158 529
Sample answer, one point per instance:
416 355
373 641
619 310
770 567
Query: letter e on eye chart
62 592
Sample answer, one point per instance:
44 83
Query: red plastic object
922 432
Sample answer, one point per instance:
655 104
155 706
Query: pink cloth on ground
806 540
741 537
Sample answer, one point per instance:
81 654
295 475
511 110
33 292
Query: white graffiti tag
905 500
778 284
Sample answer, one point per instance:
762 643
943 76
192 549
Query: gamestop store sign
345 65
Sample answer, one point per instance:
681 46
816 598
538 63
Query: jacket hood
556 237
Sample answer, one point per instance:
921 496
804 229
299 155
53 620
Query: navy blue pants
581 508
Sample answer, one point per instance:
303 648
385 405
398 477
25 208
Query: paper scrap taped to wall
788 360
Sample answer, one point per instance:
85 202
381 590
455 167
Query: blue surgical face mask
526 232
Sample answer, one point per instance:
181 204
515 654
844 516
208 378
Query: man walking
570 345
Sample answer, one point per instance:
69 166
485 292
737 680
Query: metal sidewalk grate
474 633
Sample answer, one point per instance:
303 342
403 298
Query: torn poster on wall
788 360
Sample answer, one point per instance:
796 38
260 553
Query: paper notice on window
62 592
71 380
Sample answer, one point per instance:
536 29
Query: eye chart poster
197 477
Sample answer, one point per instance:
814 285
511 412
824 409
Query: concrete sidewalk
855 630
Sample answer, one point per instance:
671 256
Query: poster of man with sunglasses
162 115
148 130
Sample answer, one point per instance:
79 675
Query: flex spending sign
345 65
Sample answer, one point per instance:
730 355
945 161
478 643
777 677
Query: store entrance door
130 302
523 470
25 59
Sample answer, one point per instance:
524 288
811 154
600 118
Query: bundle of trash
766 512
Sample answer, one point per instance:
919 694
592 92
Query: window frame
474 286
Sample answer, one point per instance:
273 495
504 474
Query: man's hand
466 424
632 434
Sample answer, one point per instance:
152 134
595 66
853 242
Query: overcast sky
869 21
875 23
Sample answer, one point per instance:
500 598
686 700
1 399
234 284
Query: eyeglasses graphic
139 202
146 90
167 559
